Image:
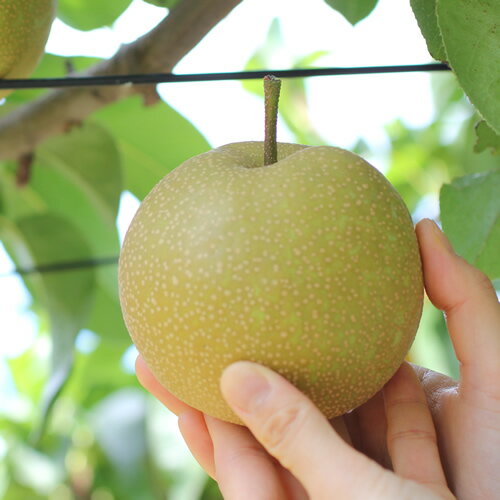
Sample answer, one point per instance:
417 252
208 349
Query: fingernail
245 386
441 238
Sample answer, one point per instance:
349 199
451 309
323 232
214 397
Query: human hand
466 413
469 458
289 450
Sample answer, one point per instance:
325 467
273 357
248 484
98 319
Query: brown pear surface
309 266
24 29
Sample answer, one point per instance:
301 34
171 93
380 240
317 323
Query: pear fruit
24 29
309 266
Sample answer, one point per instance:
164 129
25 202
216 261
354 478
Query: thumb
297 434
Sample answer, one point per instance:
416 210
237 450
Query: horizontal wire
150 78
169 77
62 266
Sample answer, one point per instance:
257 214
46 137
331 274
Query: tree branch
157 51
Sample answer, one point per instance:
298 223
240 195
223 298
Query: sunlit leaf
471 37
464 150
425 12
163 3
419 163
29 371
152 141
470 213
353 10
90 14
106 317
35 470
487 139
99 373
89 158
18 491
78 176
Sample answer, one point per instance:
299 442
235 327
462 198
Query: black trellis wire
156 78
153 78
71 265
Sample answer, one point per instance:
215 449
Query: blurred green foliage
106 438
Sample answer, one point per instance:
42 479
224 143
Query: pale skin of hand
395 431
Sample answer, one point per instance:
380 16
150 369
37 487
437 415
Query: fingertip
245 385
443 270
405 381
145 377
431 236
235 369
138 362
226 376
142 371
449 278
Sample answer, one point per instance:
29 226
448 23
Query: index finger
150 383
470 303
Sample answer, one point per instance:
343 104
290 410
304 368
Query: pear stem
272 86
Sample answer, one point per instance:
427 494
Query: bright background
343 110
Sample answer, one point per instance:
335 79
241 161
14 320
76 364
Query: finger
368 428
243 469
435 384
411 437
296 433
470 303
195 433
339 424
149 382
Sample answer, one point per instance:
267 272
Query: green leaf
106 318
486 139
163 3
465 156
470 213
52 66
89 385
77 176
85 165
29 371
471 38
17 491
66 295
353 10
425 13
89 158
90 14
211 490
152 141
